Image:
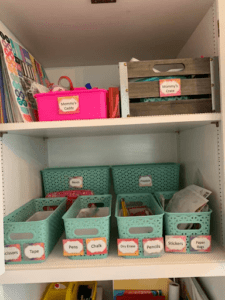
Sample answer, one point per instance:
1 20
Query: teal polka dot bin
172 220
18 230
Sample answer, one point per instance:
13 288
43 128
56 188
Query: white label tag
200 243
175 243
153 246
76 182
128 247
12 253
34 251
145 180
170 87
96 246
73 247
68 105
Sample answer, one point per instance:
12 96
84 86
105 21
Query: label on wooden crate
34 251
170 87
76 182
128 247
175 243
12 253
68 105
200 243
145 180
96 246
153 246
73 247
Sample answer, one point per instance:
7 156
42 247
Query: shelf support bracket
216 123
2 133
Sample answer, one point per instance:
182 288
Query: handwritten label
201 243
73 247
34 251
128 247
76 182
145 180
176 243
12 253
153 246
170 87
68 105
96 246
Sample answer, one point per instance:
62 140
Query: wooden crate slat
171 107
197 86
193 66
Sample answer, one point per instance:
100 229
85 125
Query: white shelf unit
195 141
30 150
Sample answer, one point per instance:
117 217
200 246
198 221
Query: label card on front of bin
96 246
12 253
73 247
76 182
175 243
128 247
34 251
145 180
153 246
170 87
200 243
68 105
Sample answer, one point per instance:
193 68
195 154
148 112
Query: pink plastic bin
78 104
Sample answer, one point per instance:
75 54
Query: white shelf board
59 268
122 126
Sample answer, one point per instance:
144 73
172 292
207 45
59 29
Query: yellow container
73 288
52 293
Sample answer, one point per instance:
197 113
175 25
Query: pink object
170 87
78 104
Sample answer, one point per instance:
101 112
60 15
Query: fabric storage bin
172 86
96 179
145 178
18 230
87 228
129 226
172 220
78 104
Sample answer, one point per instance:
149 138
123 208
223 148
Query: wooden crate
202 85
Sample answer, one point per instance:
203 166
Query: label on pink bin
68 105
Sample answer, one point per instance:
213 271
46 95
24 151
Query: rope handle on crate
69 80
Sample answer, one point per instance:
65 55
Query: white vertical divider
221 13
2 208
23 159
199 153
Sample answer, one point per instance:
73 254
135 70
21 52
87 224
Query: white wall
6 31
112 150
214 287
23 291
204 40
98 76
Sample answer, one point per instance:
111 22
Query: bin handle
69 80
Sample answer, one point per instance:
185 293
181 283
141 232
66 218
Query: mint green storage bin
172 220
128 225
163 176
102 224
47 231
96 179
